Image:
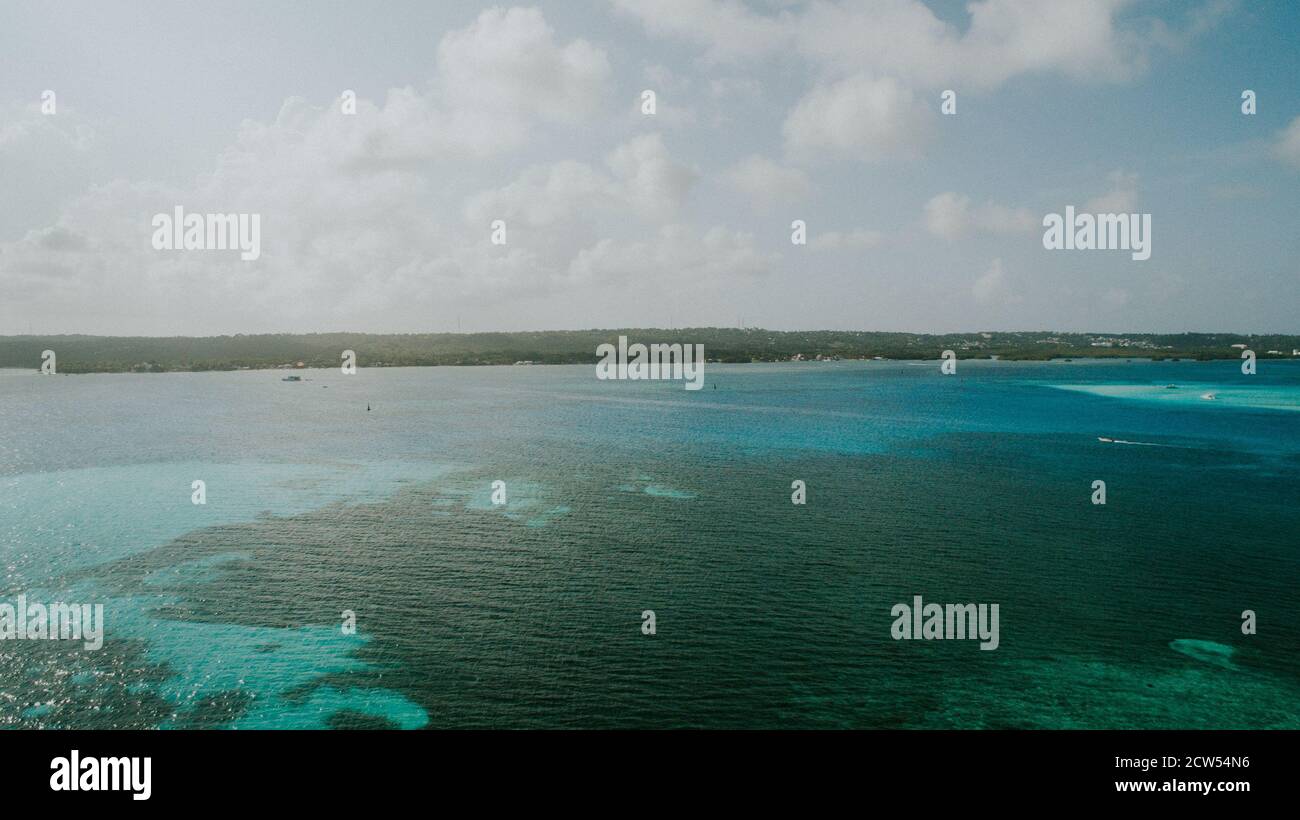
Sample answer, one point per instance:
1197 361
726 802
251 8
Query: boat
1107 440
291 379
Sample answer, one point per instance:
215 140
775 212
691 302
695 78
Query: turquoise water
627 496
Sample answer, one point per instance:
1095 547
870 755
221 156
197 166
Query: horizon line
652 328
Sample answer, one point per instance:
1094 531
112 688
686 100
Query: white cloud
45 160
869 55
1121 198
947 215
650 180
1287 147
557 210
641 176
1004 38
545 195
672 89
904 38
380 220
726 28
344 236
24 126
507 63
992 288
861 118
679 254
359 213
669 112
1080 40
951 216
497 79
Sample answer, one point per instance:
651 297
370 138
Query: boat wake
1105 440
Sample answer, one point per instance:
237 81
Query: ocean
625 497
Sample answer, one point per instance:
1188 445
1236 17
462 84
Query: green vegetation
114 354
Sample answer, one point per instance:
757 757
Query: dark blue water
630 496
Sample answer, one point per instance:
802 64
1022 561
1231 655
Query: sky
826 111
